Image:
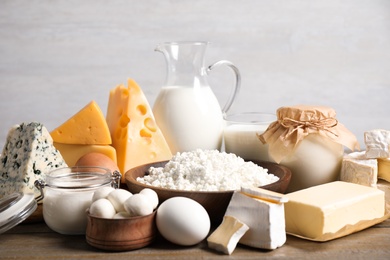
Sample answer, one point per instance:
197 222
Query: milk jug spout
186 109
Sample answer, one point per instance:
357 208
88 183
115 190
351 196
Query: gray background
56 56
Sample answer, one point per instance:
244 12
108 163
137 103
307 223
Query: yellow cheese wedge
88 126
327 208
384 169
134 132
227 235
72 152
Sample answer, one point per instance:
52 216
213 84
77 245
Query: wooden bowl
215 202
121 234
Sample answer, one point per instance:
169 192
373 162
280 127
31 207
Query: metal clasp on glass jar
67 194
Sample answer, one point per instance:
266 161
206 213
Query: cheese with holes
88 126
356 168
265 220
28 155
377 143
226 236
329 207
135 134
384 169
72 152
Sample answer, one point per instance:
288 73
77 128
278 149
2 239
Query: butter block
72 152
265 221
377 143
329 207
357 168
227 235
384 169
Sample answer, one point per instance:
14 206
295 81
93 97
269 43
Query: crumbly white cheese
207 170
377 143
28 155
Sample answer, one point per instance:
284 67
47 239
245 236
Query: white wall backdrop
56 56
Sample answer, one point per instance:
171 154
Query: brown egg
97 159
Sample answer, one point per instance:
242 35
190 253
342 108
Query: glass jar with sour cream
67 194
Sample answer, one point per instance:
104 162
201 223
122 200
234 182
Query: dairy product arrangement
130 136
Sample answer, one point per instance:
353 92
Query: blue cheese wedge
263 213
28 155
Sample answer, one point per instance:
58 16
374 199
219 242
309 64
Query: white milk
241 139
65 211
189 118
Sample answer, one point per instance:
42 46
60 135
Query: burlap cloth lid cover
294 123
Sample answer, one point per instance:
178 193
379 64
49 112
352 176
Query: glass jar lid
15 208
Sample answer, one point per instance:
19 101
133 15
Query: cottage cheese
207 170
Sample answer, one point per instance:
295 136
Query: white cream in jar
240 135
68 194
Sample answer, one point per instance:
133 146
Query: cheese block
356 168
384 169
265 220
377 143
72 152
135 134
225 238
329 207
88 126
28 155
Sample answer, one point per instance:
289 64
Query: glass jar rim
78 177
250 118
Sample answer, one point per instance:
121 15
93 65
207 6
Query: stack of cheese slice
84 132
135 135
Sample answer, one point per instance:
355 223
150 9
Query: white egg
102 208
152 196
122 215
102 193
118 198
138 205
183 221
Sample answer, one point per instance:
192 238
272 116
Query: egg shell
121 215
102 208
102 193
97 159
183 221
118 197
138 205
152 196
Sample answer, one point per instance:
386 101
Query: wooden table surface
36 240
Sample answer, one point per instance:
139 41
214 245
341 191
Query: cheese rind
377 143
265 221
384 169
88 126
329 207
356 168
28 155
72 152
135 135
227 235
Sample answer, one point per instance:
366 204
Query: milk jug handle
237 85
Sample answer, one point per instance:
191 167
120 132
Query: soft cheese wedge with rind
265 220
329 207
384 169
28 155
359 169
135 135
88 126
225 238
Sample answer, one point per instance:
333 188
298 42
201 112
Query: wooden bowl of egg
121 234
215 202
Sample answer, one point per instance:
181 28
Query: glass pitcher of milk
186 109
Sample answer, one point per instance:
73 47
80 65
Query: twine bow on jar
325 124
296 122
